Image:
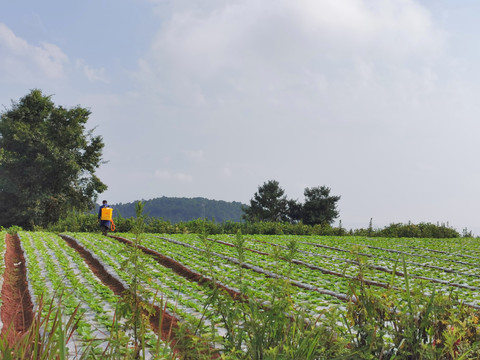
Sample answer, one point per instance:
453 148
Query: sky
375 99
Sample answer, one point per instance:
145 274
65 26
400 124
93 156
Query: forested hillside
184 209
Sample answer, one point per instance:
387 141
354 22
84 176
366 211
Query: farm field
177 269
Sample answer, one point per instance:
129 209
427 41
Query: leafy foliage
47 161
319 206
78 222
269 203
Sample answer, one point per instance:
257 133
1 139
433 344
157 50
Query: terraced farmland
91 273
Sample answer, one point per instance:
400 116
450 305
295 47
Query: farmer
105 217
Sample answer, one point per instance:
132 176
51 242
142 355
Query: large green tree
47 161
269 203
319 207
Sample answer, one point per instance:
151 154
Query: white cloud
93 75
22 61
305 55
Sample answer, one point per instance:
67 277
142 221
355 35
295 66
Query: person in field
105 216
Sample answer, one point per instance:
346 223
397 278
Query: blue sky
376 99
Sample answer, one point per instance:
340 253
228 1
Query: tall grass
413 325
46 338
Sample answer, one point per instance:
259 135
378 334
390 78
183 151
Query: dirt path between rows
17 307
163 323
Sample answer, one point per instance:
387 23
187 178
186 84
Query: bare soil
17 307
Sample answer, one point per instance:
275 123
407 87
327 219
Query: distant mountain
184 209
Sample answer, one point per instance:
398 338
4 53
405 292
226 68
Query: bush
421 230
80 222
76 222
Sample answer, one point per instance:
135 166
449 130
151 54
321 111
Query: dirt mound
17 307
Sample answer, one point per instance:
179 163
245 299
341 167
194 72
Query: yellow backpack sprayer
107 215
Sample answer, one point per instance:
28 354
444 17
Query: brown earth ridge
17 307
